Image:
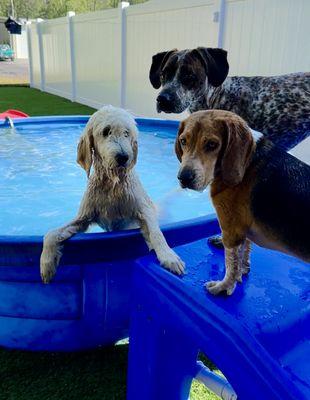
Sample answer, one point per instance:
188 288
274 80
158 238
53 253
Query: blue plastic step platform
258 337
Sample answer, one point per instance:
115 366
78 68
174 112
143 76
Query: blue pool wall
88 303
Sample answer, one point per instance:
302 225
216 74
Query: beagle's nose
186 177
121 159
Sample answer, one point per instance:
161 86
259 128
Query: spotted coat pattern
278 106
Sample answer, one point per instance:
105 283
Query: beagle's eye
211 145
107 131
183 142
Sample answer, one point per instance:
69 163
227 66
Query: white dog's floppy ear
238 152
135 150
85 149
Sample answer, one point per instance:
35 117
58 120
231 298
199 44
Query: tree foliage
21 8
55 8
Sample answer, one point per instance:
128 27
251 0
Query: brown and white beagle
260 192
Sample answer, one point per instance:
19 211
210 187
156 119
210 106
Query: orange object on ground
13 114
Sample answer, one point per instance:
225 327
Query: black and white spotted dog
277 106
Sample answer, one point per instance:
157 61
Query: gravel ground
14 72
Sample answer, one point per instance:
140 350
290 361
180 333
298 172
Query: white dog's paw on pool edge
50 256
48 264
173 262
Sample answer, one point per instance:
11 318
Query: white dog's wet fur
115 198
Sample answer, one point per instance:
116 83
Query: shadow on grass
96 374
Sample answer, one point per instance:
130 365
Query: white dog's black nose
121 159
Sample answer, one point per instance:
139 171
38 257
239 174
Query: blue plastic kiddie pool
41 185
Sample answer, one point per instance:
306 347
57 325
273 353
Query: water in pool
41 184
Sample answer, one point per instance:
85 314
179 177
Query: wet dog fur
114 198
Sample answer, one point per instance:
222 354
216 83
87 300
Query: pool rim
105 236
84 119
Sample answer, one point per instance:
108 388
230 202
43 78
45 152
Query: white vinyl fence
105 56
20 43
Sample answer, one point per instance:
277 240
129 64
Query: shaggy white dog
115 198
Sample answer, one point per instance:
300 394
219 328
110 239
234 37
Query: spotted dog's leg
156 241
233 265
53 244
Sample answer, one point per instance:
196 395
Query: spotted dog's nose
121 159
164 102
187 177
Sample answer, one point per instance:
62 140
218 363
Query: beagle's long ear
85 149
238 152
215 62
158 61
177 146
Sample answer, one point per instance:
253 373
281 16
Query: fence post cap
123 4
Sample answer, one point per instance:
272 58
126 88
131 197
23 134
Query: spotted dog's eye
211 145
107 131
188 80
126 133
183 142
167 74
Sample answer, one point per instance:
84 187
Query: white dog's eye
107 131
126 133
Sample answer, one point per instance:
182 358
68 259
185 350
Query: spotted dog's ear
158 62
177 146
215 62
239 149
85 148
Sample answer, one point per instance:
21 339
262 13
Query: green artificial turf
200 392
93 375
34 102
97 374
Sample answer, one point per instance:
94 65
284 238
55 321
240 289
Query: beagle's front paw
217 287
173 262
